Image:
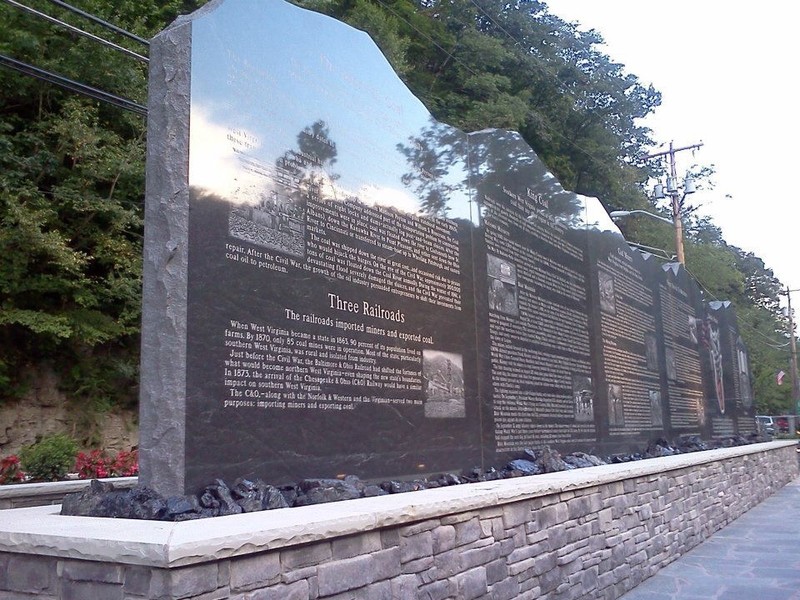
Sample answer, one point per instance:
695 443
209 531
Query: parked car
766 425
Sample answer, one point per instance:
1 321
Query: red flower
92 465
10 471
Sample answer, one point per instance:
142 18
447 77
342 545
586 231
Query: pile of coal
101 499
686 444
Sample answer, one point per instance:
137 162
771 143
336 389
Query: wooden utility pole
793 347
675 195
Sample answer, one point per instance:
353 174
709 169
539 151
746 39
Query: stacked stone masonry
598 541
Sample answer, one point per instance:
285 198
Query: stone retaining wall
589 533
45 410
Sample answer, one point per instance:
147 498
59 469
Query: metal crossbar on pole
675 195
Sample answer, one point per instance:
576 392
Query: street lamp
618 214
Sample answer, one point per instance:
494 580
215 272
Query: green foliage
383 28
764 328
72 169
49 459
515 66
71 192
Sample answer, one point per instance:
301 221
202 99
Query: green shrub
49 459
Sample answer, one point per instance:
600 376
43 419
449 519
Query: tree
72 169
71 192
515 66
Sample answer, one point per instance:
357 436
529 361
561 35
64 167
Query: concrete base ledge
21 495
42 531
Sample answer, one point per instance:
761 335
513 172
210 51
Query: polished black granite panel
682 321
538 371
330 289
731 403
628 341
337 283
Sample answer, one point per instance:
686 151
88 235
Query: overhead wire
557 81
559 85
72 85
772 343
132 106
766 341
601 162
769 342
448 54
427 37
476 5
77 30
101 22
663 254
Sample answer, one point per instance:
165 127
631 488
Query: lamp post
618 214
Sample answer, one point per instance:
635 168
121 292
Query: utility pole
675 195
793 347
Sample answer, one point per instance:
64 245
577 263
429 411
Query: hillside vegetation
72 169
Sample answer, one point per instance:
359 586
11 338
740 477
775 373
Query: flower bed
52 468
55 459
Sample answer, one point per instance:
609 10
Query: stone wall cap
22 490
43 531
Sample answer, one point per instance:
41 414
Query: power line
127 104
559 84
427 37
448 55
77 30
72 85
771 343
488 16
101 22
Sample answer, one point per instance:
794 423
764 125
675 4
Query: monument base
23 495
595 532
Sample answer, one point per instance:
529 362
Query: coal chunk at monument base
101 499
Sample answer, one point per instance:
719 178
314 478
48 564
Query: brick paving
757 557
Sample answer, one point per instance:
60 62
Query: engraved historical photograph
607 302
583 398
616 413
502 285
443 376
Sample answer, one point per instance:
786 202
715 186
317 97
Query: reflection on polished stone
370 291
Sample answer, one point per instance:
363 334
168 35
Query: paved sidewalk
757 557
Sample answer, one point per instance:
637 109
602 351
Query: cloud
388 197
218 163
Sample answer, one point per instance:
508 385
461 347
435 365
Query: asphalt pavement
757 557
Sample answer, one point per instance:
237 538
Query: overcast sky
728 76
